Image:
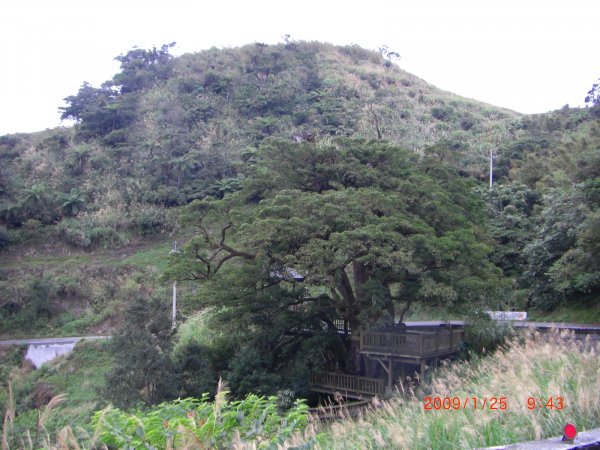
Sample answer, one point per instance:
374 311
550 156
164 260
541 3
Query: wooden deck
350 386
411 344
396 350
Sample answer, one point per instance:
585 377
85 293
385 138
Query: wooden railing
349 385
341 325
410 343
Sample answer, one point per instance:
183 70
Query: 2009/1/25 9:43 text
489 403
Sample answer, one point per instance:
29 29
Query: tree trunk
403 312
348 359
360 278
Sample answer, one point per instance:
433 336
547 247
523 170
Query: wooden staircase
348 386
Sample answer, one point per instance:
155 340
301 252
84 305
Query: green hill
76 202
165 131
369 183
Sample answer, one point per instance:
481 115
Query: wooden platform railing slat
352 385
411 343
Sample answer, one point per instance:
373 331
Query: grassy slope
98 280
79 376
354 86
571 313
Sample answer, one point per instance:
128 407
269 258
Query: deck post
422 369
388 388
388 370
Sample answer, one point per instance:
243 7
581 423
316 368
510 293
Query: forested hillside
165 131
306 183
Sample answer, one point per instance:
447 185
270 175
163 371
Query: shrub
67 286
193 423
106 237
358 53
216 83
69 230
149 220
100 162
483 334
28 304
115 138
83 234
141 346
467 123
201 353
107 227
32 225
40 295
442 112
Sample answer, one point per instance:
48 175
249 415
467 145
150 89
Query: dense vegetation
513 375
309 183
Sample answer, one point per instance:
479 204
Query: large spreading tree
348 229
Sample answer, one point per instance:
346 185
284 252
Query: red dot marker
569 432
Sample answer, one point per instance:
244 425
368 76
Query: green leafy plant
200 423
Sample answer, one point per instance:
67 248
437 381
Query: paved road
518 324
49 341
559 325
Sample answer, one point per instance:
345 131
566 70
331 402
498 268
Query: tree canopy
346 229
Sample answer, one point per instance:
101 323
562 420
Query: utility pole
492 156
174 289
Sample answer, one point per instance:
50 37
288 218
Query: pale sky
531 56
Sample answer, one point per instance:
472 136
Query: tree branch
232 255
342 265
213 262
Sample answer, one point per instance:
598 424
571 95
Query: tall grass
539 366
39 437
